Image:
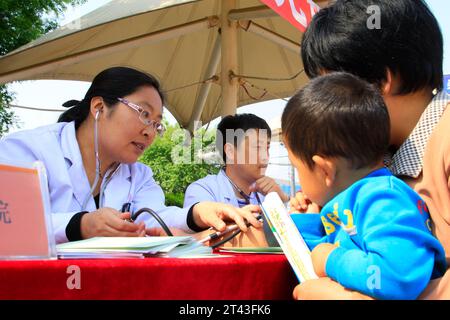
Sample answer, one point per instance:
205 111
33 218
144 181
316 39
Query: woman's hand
252 238
301 204
108 222
266 185
213 214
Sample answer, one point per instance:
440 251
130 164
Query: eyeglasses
144 116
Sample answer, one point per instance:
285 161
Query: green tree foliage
20 23
176 164
6 116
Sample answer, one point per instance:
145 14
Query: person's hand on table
217 216
252 238
108 222
213 214
159 232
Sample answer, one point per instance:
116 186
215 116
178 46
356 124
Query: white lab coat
217 188
56 146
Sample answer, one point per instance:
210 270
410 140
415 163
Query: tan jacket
433 185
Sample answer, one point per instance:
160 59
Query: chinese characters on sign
4 213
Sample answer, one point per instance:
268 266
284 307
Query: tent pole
230 85
292 181
205 87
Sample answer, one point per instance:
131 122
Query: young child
373 232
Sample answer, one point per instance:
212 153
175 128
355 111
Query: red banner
298 12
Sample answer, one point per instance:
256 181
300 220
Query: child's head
338 123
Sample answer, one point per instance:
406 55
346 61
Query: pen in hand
126 208
229 229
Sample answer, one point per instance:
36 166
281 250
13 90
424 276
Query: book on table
130 247
252 250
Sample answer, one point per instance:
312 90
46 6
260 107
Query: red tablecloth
239 277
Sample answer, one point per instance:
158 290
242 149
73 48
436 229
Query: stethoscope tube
239 190
109 177
155 216
247 199
97 164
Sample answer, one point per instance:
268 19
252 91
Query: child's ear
327 168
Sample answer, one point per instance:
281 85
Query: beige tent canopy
210 55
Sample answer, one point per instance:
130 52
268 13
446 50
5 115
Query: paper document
123 243
288 236
128 247
260 250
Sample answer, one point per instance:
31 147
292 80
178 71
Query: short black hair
243 122
409 43
337 115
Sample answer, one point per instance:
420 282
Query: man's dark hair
235 123
409 43
337 115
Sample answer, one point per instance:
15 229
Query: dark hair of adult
408 42
238 123
110 84
337 115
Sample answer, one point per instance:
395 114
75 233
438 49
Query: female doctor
90 157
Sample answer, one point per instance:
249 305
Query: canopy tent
211 56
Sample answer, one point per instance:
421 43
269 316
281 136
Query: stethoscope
237 231
239 190
109 174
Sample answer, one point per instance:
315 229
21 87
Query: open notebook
252 250
288 236
139 247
